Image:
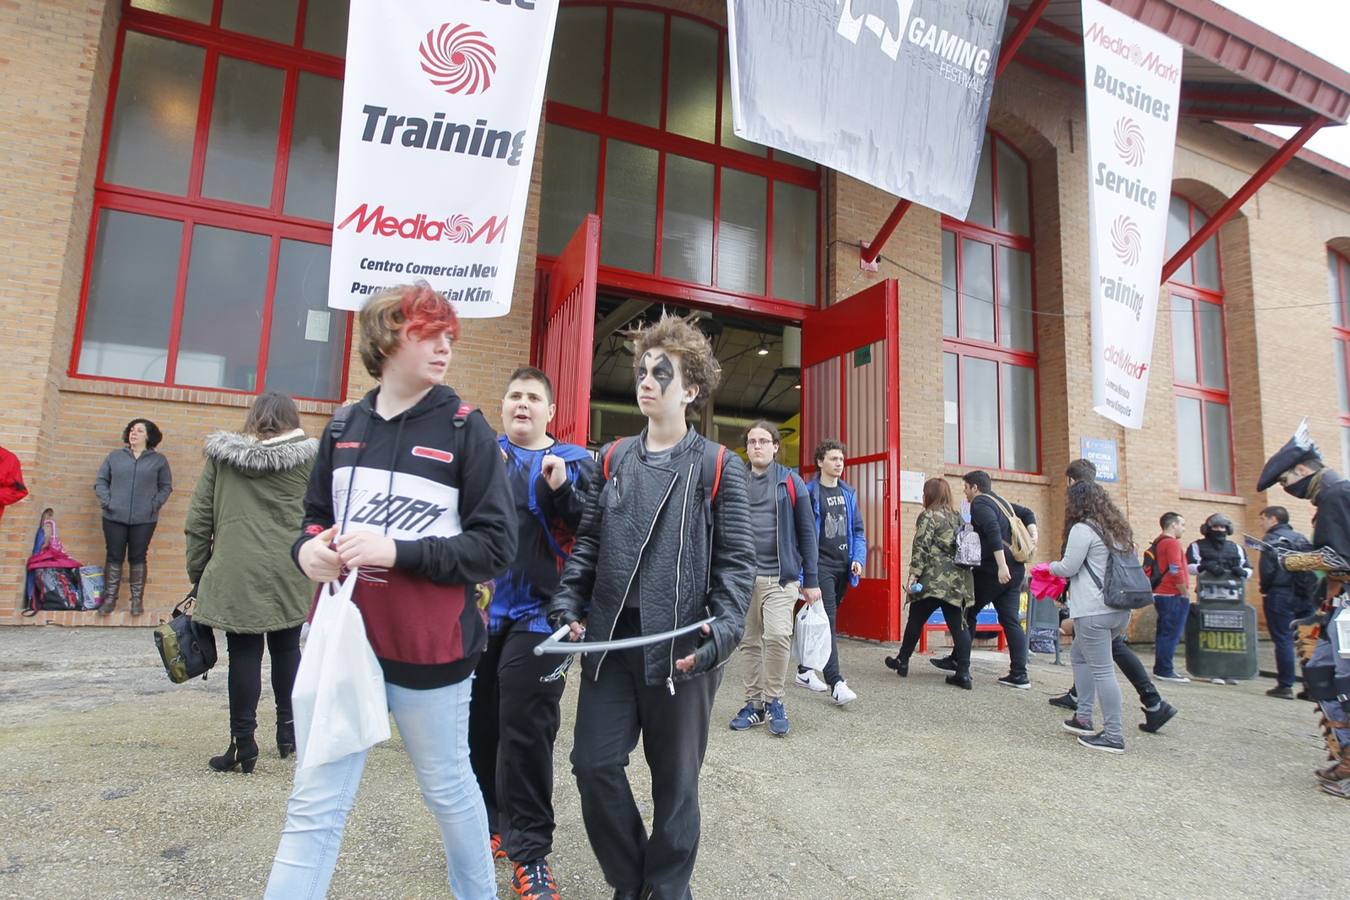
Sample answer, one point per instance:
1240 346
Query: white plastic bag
1342 626
338 701
811 639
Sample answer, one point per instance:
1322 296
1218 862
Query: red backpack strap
792 489
462 414
717 472
609 454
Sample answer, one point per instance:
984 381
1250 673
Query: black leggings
919 612
123 540
246 675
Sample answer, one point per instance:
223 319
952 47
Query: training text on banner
893 94
1133 78
440 114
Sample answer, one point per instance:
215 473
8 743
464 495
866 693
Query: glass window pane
740 234
1338 351
571 159
951 410
729 139
1336 288
1218 460
241 150
635 65
628 223
1190 445
948 284
306 347
271 19
687 223
783 156
222 309
574 72
130 305
1206 259
1345 449
192 10
1211 345
691 108
326 26
1016 326
1178 232
1019 418
1183 341
979 412
1014 192
311 173
982 201
155 114
977 290
794 243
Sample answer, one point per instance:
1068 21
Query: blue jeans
434 726
1282 607
1172 613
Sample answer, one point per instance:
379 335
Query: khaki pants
767 644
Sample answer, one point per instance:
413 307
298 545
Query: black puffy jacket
645 530
1273 575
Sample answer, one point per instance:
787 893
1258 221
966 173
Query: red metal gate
851 392
568 331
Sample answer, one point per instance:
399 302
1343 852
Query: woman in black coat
133 483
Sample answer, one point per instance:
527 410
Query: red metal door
851 392
568 330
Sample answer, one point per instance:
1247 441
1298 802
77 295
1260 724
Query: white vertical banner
440 114
1133 77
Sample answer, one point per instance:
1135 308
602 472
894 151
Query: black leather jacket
644 531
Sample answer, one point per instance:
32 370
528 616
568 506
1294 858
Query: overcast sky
1320 26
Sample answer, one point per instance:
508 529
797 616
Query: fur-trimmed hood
254 457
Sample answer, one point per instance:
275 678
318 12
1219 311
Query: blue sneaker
777 715
750 716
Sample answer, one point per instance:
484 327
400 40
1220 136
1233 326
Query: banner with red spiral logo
1133 83
440 116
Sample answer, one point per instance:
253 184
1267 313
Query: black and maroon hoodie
432 479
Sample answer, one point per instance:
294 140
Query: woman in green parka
245 513
940 582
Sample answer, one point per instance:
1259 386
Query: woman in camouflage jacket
937 582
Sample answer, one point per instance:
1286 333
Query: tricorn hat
1299 448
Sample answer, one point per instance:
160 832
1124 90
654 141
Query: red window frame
193 209
1194 390
968 348
607 128
1339 283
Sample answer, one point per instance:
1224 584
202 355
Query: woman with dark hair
245 510
1093 526
132 484
937 582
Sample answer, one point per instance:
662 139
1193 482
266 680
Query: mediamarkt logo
458 59
1123 361
457 229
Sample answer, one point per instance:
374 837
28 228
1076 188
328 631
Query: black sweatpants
513 723
919 612
246 652
122 541
1007 601
611 713
834 585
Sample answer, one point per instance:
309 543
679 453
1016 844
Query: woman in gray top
132 484
1091 522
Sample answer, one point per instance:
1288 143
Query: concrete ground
915 790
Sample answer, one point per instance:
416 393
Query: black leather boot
112 584
137 588
285 738
242 754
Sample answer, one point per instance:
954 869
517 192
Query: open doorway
761 374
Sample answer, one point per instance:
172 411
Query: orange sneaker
497 851
534 881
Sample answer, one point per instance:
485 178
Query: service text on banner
895 94
440 114
1133 77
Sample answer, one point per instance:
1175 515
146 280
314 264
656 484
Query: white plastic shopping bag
339 701
1341 624
811 640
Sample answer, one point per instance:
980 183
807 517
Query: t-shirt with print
833 529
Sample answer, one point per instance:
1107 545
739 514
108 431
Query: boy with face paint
657 549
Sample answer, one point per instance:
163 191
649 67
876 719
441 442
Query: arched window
1199 357
638 129
1338 283
213 205
988 323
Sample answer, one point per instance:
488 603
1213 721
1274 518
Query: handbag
186 648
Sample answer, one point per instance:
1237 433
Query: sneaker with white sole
1020 682
777 717
842 693
1174 678
1100 741
810 681
1079 727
